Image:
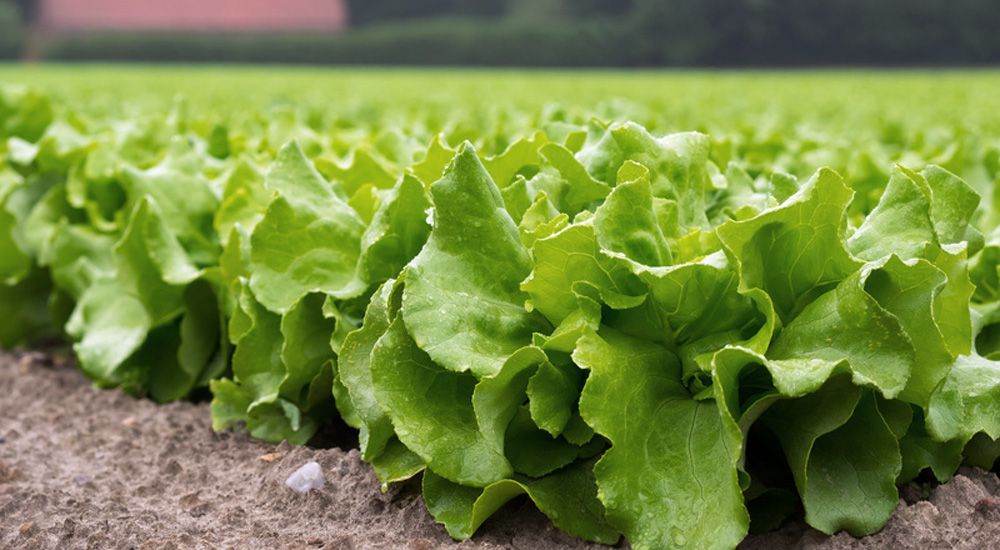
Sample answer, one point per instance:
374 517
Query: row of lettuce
666 337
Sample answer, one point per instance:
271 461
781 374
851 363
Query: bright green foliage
431 410
567 497
625 321
687 469
462 302
308 241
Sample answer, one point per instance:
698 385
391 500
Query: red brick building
191 15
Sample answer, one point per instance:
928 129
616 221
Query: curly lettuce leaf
568 497
687 468
843 454
795 251
462 303
309 239
432 412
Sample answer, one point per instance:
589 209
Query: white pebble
306 478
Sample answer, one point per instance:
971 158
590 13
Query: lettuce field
669 307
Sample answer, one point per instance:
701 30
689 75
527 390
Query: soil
87 468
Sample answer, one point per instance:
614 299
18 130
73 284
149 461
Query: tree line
576 33
743 32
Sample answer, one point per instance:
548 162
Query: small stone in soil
306 478
987 504
269 457
7 473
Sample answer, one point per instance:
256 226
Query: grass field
520 282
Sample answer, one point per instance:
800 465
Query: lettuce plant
656 336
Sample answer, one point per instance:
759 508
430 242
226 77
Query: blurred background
553 33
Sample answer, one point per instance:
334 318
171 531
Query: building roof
197 15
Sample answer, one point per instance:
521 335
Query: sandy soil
85 468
